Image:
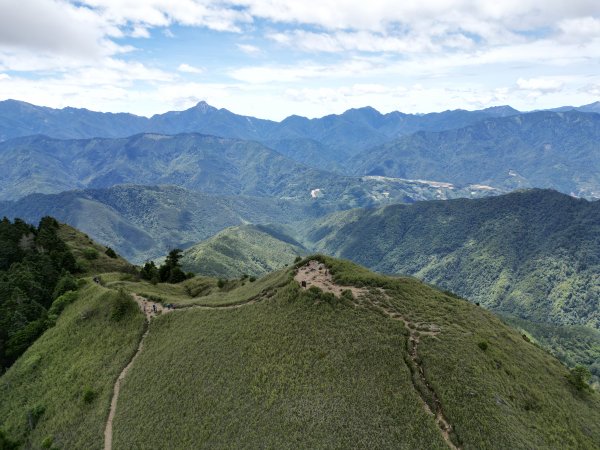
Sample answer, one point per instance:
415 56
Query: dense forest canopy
36 268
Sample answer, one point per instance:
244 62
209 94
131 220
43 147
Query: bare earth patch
317 274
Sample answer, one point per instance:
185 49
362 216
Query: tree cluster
36 269
169 272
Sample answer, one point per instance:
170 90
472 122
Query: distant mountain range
558 150
497 147
209 164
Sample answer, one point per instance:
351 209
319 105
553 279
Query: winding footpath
316 274
150 309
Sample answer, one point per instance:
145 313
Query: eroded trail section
149 308
431 402
108 431
316 274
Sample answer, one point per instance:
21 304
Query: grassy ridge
91 257
201 291
303 368
281 373
531 254
253 250
62 386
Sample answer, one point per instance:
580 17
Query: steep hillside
533 253
543 149
36 273
141 222
90 256
253 250
38 164
354 360
58 393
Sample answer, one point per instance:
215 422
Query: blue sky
271 59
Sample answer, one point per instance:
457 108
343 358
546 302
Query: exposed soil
108 431
149 308
317 274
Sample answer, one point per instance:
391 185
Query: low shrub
90 253
89 395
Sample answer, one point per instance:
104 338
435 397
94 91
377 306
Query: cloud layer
311 57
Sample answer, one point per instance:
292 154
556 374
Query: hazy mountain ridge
558 150
38 164
143 222
23 119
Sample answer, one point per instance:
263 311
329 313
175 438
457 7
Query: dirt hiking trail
150 310
317 274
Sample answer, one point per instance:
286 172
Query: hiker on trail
144 305
154 308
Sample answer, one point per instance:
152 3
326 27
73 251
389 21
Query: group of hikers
155 310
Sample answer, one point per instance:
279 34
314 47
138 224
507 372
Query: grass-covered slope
92 257
60 389
296 367
535 254
253 250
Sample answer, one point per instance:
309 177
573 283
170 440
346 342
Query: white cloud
186 68
464 53
540 85
249 49
303 70
580 29
215 15
55 27
140 32
378 15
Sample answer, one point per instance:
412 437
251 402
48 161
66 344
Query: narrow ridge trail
150 310
316 274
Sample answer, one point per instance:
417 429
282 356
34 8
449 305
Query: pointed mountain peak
204 107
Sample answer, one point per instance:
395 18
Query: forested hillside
535 254
36 270
208 164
